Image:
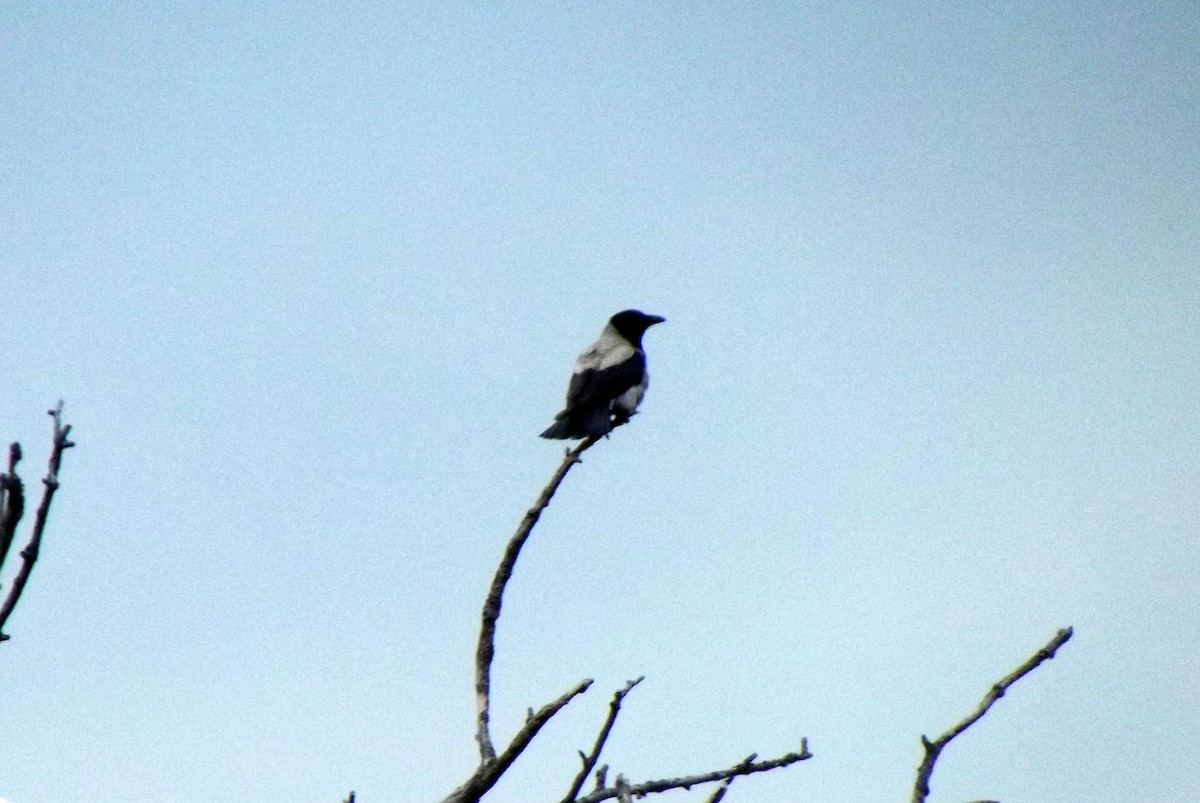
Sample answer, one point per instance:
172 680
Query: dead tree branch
12 501
492 766
749 766
491 606
589 760
933 749
489 772
14 494
719 794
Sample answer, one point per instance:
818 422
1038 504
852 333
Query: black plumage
609 379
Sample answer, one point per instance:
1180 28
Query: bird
609 380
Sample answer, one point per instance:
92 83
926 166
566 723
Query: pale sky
310 278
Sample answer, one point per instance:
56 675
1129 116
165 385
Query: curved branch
491 606
933 749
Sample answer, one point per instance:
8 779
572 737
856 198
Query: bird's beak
653 319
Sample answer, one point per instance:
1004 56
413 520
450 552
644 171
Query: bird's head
632 324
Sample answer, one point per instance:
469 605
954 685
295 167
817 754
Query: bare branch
29 554
589 761
749 766
492 767
624 793
12 501
719 794
933 749
491 606
534 724
489 772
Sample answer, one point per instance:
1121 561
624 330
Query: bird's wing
604 372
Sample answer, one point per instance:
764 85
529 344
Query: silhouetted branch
933 749
491 606
589 761
29 554
747 767
489 772
719 794
12 501
492 767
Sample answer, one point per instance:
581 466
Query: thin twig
749 766
534 724
589 760
29 554
933 749
491 606
489 772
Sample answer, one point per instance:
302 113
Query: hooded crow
609 379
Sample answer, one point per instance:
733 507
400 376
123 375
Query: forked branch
748 766
489 772
933 749
486 649
13 496
492 766
589 760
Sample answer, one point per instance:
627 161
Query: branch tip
590 759
934 748
14 506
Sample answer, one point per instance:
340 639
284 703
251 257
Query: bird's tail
560 430
590 424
